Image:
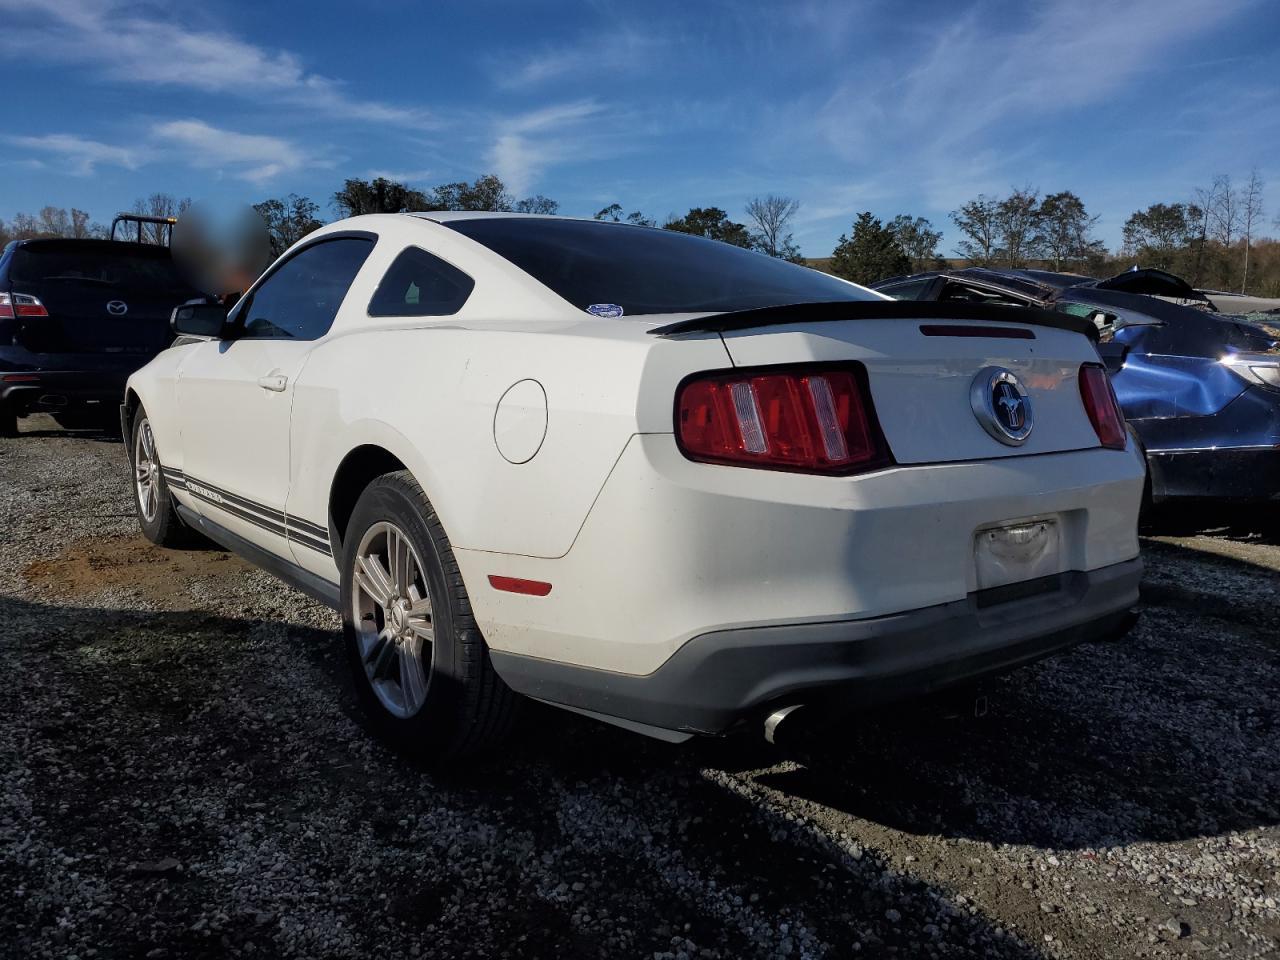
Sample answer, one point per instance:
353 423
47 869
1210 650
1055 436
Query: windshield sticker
605 310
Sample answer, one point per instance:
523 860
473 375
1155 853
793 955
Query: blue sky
886 106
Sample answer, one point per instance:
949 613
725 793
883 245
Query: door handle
275 382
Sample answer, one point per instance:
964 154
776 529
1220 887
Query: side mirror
199 319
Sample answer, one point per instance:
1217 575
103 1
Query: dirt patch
96 564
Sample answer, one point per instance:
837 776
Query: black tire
8 421
466 709
164 528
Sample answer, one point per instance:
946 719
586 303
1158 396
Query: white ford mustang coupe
656 479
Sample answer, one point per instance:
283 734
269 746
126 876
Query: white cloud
133 47
253 157
81 155
256 158
980 72
528 143
620 49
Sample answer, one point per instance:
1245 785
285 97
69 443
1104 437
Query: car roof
449 216
91 243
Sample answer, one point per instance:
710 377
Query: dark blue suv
76 318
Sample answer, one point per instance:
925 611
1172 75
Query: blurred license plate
1017 552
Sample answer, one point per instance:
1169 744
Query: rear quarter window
419 284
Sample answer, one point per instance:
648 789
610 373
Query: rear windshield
100 263
599 266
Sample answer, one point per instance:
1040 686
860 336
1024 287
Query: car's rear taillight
20 305
807 419
1100 403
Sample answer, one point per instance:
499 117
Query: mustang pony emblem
1001 405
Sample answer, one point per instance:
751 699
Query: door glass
299 299
418 284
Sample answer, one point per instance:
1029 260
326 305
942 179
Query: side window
418 284
911 290
300 299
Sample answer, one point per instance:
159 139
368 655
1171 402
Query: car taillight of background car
14 305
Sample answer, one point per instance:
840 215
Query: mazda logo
117 308
1001 405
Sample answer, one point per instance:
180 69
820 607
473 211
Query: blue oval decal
605 310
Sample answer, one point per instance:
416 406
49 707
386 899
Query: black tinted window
646 270
99 263
911 290
418 284
300 299
966 293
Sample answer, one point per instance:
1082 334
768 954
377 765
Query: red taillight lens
1100 403
814 420
20 305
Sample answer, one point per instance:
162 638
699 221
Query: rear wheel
419 664
157 512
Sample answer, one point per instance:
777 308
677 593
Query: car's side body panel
440 423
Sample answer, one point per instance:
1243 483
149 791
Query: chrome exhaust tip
774 721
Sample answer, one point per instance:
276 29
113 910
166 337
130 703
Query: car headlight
1263 368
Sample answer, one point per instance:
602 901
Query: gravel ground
182 774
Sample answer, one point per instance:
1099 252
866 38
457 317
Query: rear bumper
63 380
719 678
1242 474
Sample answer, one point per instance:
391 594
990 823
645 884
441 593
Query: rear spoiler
878 310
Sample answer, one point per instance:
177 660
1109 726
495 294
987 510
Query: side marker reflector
532 588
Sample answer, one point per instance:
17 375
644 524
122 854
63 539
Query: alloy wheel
391 610
146 471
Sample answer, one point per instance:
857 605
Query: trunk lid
922 372
103 297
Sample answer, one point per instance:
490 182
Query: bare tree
772 217
1204 202
159 205
1250 215
1224 212
54 222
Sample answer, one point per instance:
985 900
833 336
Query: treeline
1212 239
291 217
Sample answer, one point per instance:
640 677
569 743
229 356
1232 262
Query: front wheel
157 513
420 666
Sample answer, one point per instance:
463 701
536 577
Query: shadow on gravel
1172 733
1258 523
103 434
197 740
